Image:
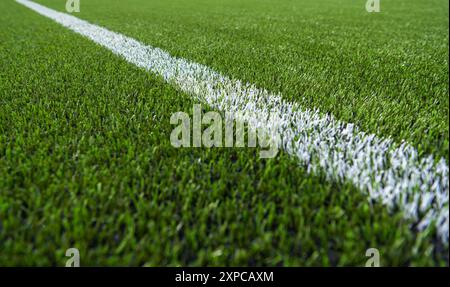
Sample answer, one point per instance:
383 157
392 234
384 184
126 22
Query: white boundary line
392 174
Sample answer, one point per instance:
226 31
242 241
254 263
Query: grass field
85 153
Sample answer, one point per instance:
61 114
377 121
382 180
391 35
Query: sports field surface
361 103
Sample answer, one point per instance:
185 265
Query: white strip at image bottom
390 173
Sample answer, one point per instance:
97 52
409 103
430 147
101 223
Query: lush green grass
85 158
387 72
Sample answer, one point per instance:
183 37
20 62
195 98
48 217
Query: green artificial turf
86 161
386 72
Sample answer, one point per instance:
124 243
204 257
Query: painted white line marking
390 173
